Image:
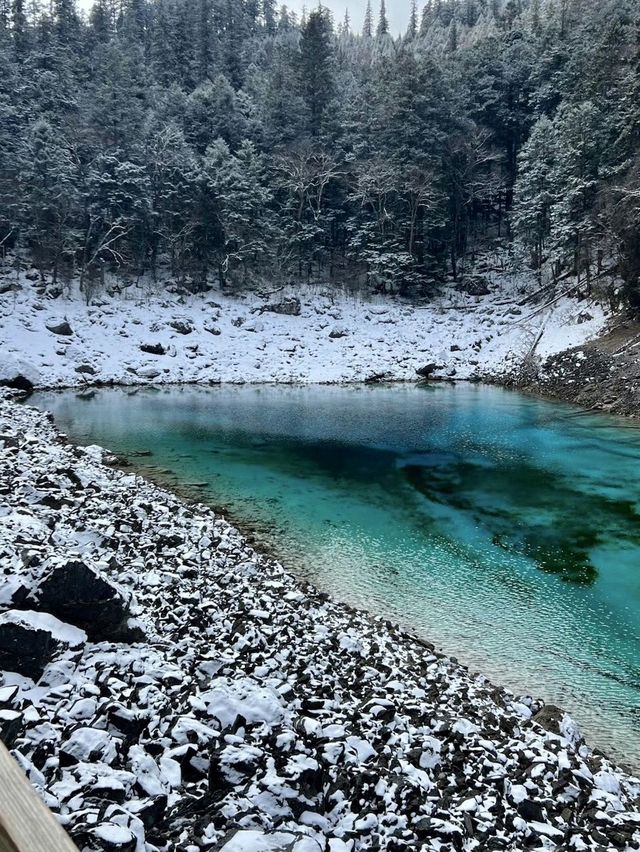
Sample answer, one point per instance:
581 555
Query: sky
397 11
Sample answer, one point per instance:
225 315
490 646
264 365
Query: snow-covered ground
335 338
177 691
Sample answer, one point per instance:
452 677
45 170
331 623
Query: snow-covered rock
29 640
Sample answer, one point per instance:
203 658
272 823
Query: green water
503 528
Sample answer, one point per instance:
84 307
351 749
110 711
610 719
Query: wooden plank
26 824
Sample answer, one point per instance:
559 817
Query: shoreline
357 634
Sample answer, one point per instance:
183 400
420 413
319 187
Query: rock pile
167 688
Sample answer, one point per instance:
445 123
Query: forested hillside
228 140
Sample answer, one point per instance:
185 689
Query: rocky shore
165 687
602 374
161 334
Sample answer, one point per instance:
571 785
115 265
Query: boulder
243 840
78 594
29 641
289 307
153 348
109 837
11 725
549 718
376 378
148 372
428 370
87 369
338 331
62 328
88 744
181 326
17 374
474 285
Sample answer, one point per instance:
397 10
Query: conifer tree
316 73
383 23
367 27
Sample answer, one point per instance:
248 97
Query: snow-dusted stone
78 594
428 370
474 285
550 717
11 724
61 328
181 326
153 348
247 840
338 331
288 307
29 640
88 744
109 837
148 372
17 373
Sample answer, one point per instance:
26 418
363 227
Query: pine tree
383 23
534 17
269 16
367 27
19 27
452 36
48 191
427 18
346 24
412 29
535 191
316 73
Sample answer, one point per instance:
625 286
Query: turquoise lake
503 528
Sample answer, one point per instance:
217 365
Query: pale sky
397 11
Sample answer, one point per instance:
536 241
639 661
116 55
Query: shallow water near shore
504 528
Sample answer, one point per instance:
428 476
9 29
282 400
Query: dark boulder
474 285
80 595
152 811
29 641
428 370
181 326
62 328
11 725
549 718
87 369
153 348
18 382
289 307
337 332
531 811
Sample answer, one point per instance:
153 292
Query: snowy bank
148 334
224 706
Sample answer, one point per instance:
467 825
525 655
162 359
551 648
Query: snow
338 337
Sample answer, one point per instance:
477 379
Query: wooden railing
26 824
